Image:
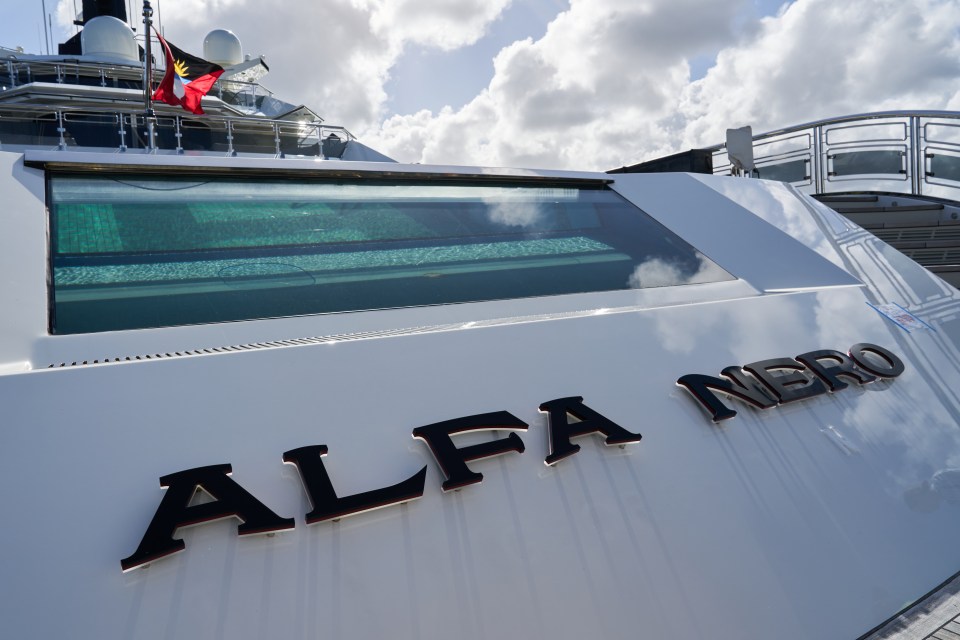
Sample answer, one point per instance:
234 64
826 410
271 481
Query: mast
46 35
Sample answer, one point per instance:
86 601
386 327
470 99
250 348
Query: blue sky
22 26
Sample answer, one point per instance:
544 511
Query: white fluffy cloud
333 56
820 58
609 82
604 79
447 24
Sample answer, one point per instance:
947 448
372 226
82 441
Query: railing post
917 159
178 135
151 134
62 145
230 150
276 139
818 168
13 76
123 133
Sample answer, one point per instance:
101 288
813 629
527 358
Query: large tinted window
135 252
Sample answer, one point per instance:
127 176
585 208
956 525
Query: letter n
735 384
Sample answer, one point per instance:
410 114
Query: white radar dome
109 37
223 48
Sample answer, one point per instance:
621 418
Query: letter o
894 365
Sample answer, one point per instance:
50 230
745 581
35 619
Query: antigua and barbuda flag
187 80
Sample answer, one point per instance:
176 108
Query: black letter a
561 430
175 511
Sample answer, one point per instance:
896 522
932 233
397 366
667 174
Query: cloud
659 273
818 59
514 214
334 56
609 83
599 84
446 24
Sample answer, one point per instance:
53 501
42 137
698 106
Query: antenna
46 36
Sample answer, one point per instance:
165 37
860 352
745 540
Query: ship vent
254 346
345 337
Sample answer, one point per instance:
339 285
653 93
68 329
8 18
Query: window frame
53 171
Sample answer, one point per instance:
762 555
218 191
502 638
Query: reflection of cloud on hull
928 496
514 214
946 483
654 273
658 273
679 335
779 205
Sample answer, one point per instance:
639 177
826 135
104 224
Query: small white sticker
903 318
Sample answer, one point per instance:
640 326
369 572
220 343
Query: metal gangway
895 173
908 152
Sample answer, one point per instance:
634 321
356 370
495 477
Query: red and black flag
187 80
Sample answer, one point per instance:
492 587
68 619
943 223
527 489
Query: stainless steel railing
126 128
15 73
909 152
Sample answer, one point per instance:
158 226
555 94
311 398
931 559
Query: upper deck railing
48 120
15 73
909 152
124 128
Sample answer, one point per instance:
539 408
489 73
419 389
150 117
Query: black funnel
93 9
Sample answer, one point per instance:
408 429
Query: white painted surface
762 527
110 38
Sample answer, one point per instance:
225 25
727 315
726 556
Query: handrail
909 152
848 118
70 71
122 128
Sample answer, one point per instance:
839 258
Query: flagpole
147 59
148 112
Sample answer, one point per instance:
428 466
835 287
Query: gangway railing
909 152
